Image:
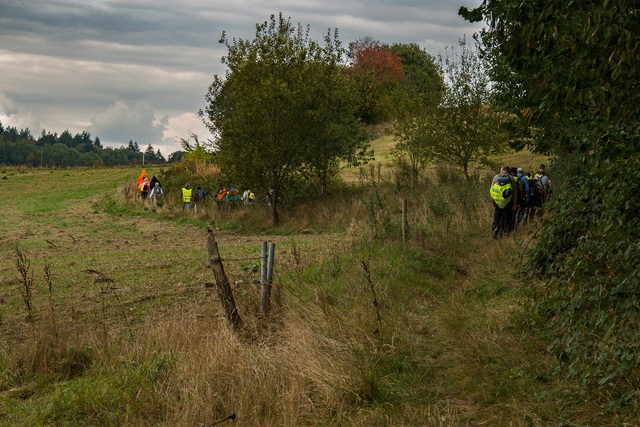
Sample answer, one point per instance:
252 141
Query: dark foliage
20 148
568 71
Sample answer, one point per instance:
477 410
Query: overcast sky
139 69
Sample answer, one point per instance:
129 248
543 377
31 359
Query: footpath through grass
365 329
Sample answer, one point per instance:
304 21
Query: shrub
586 264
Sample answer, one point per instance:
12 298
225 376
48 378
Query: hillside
383 146
121 327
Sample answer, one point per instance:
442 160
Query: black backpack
198 195
522 192
536 192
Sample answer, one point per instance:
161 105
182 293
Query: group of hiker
196 198
517 198
149 189
231 196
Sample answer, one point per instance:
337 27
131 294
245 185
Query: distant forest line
21 148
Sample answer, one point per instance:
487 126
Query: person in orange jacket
142 176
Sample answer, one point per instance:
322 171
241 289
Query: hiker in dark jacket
198 198
523 198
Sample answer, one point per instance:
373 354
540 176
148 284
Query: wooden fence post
222 284
266 277
263 279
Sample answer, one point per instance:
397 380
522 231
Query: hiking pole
227 418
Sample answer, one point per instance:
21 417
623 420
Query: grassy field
383 146
106 317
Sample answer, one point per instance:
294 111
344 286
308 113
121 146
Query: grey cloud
73 62
8 106
199 23
11 115
122 122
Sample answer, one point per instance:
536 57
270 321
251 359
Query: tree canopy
422 80
67 150
456 126
377 74
562 64
470 129
285 109
569 71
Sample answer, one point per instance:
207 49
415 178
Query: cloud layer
139 69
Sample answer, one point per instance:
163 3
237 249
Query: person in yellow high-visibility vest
504 192
186 196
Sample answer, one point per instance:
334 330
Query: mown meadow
107 317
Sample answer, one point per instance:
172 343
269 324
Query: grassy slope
438 347
382 149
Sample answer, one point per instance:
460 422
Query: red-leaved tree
378 74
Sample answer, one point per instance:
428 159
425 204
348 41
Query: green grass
383 146
365 329
525 159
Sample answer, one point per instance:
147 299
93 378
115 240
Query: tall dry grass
298 377
371 330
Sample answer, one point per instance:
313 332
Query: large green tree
377 74
422 81
464 128
570 71
415 134
285 109
415 121
470 128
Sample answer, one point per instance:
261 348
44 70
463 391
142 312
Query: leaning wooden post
272 257
222 284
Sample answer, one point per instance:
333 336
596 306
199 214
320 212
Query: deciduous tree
377 73
464 128
415 110
284 110
469 126
571 70
422 79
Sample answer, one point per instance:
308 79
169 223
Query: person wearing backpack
247 197
144 188
141 177
503 192
221 194
536 197
232 197
544 181
198 197
547 182
156 194
523 197
513 219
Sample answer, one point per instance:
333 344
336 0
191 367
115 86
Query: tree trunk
222 284
274 210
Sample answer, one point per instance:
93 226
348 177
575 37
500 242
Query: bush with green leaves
568 72
586 267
